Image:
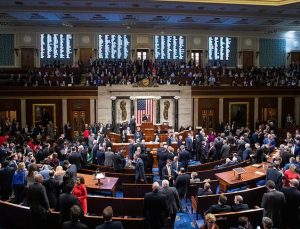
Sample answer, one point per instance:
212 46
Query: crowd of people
40 170
128 72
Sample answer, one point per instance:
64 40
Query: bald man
155 208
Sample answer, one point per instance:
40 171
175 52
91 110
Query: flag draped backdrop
144 106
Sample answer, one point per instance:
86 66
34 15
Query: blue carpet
186 220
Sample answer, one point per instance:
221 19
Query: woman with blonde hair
210 222
59 174
290 174
18 183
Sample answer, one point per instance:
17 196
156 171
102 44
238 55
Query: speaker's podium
148 130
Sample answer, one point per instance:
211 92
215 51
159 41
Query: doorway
27 58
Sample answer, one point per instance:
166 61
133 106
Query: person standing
181 183
6 176
273 203
140 176
173 203
155 208
80 192
52 189
18 183
292 196
38 202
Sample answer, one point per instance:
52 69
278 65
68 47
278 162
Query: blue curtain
6 49
272 52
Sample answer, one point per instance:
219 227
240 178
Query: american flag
144 106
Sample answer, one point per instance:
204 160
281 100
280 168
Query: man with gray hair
292 197
155 208
38 202
267 223
173 203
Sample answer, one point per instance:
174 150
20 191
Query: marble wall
166 92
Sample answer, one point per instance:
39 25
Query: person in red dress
81 193
290 174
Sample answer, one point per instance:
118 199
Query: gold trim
239 103
240 2
34 106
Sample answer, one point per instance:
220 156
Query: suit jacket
6 176
240 207
182 183
155 210
173 203
162 157
165 174
292 197
189 144
212 154
108 158
246 154
37 199
66 201
258 155
52 190
276 176
72 170
184 158
140 171
110 225
225 151
218 208
175 166
73 225
273 203
76 159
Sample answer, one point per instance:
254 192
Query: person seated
145 118
228 162
238 204
205 190
210 222
194 178
108 223
75 213
243 223
220 207
267 223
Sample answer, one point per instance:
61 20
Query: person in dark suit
225 149
66 201
205 190
149 161
162 156
119 161
243 223
247 152
6 176
138 134
155 208
189 144
140 176
108 223
132 124
75 158
131 149
181 183
184 157
100 156
275 174
258 156
273 203
38 202
168 173
74 223
292 196
220 207
71 170
176 165
238 204
173 203
52 190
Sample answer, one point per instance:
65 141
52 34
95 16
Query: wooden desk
108 184
228 179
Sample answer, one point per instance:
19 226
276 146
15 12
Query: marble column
255 111
92 111
131 106
113 111
221 110
158 110
176 98
196 111
23 113
64 111
279 108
